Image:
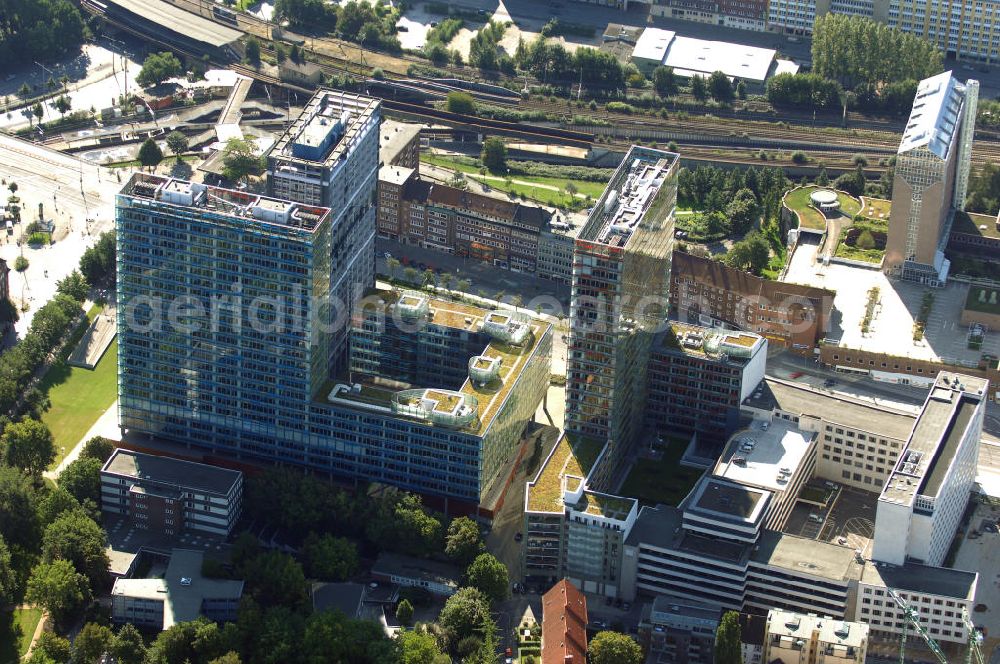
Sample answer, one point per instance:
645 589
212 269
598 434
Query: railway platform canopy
174 23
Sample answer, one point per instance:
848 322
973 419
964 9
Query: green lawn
877 208
664 481
79 397
797 200
16 630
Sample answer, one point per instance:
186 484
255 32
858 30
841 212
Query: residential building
564 625
708 292
264 391
794 638
962 29
753 627
399 144
922 503
621 272
433 576
740 14
170 495
329 157
931 178
182 594
679 629
571 530
859 440
698 378
939 595
436 216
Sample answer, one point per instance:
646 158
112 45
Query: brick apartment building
436 216
169 495
705 291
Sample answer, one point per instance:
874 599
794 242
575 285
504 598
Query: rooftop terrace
706 342
727 498
485 398
237 205
572 455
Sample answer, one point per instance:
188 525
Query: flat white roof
653 44
785 67
705 57
934 117
782 445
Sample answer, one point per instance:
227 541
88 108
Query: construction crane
975 640
912 619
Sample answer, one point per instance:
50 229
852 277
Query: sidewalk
106 426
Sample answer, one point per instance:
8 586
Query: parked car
518 536
816 517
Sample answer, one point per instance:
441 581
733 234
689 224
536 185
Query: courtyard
848 520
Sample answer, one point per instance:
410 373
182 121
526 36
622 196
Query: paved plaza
891 330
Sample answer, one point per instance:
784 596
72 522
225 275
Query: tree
741 89
294 54
53 504
128 646
489 575
82 479
398 522
420 647
665 81
24 91
20 264
74 285
853 183
9 583
28 446
58 588
392 265
275 578
463 542
752 253
178 143
404 612
494 154
329 558
98 262
699 88
465 613
150 154
728 641
460 102
99 448
252 53
91 643
742 210
75 537
63 104
854 50
410 274
808 90
865 240
308 14
240 160
720 87
614 648
158 67
51 647
231 657
38 111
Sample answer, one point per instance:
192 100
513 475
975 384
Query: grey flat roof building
176 472
922 579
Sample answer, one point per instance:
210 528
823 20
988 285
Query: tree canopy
75 537
158 67
463 542
43 30
241 159
752 254
82 479
150 154
489 575
58 588
728 641
494 154
853 50
614 648
28 445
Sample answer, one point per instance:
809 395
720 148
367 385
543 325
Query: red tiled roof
564 625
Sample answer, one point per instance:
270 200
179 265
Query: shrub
799 157
859 160
865 241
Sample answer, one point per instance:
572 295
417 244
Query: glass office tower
621 283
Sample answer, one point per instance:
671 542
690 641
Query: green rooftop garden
972 224
986 300
797 200
573 455
664 481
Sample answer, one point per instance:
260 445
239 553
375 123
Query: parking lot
849 520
